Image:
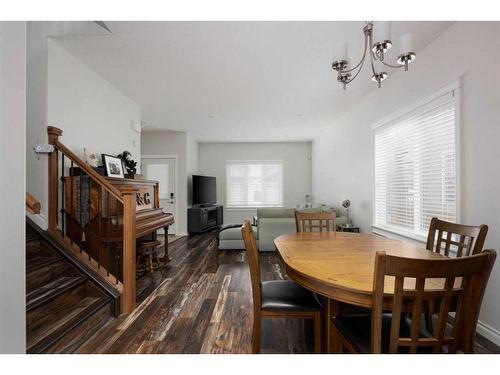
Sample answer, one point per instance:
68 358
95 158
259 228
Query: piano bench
148 250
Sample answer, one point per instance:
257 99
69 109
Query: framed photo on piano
113 166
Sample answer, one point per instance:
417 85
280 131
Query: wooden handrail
32 204
88 170
54 134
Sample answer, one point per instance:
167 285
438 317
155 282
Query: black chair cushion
283 295
357 330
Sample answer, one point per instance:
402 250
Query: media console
203 218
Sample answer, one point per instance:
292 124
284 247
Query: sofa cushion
309 210
234 233
233 244
321 208
276 213
270 228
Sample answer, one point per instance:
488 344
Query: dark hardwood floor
201 303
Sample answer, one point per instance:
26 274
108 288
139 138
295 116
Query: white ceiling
235 81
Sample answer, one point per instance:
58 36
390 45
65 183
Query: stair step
94 343
80 334
39 253
65 304
63 321
41 261
51 290
55 269
49 322
44 249
31 234
33 247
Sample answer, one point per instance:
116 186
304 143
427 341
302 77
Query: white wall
65 93
343 155
192 156
91 112
296 158
171 143
36 114
12 172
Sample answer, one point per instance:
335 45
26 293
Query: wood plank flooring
201 303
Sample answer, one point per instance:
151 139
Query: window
254 183
415 168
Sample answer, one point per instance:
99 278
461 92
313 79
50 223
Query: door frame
161 156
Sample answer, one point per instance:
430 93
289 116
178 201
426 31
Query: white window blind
254 183
415 168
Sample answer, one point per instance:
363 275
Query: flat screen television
204 190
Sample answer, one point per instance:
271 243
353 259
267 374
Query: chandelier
377 43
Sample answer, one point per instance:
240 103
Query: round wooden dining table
340 266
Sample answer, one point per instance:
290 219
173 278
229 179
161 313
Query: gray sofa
229 237
271 223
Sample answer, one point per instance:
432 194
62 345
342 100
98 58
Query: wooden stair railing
86 223
32 204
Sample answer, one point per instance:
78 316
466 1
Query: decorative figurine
346 204
308 200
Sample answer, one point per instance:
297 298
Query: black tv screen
204 190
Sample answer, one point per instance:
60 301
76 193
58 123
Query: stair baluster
81 227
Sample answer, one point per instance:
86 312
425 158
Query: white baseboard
38 219
488 332
180 234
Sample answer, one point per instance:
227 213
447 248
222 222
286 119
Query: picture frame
113 166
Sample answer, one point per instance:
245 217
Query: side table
350 228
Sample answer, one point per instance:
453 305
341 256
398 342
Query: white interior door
163 171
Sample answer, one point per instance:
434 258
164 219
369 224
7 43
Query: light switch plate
43 148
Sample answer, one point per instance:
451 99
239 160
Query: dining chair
321 221
464 240
443 233
314 221
459 288
278 298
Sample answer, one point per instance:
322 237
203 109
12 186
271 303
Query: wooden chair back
464 282
253 262
314 221
445 234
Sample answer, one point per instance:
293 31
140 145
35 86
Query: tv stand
204 217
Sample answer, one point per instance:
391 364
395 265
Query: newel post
129 238
53 135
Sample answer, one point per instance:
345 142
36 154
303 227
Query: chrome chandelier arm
361 62
373 66
359 71
392 66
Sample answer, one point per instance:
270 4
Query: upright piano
93 217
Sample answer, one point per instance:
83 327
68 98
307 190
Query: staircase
66 302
